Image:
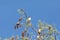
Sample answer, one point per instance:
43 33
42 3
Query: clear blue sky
45 10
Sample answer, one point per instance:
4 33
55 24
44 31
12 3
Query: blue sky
46 10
